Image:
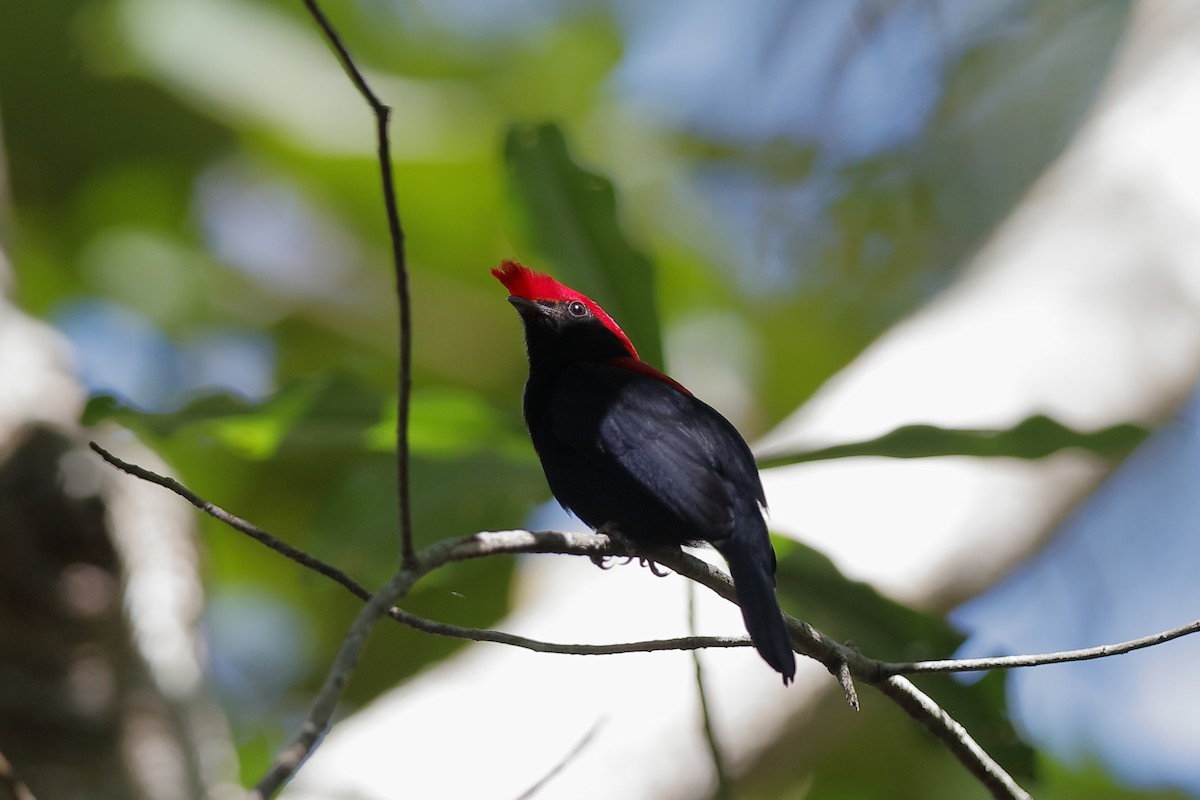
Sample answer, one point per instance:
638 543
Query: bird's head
561 324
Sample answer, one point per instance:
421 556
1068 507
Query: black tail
754 579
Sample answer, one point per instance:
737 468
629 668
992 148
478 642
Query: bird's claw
603 563
610 530
652 565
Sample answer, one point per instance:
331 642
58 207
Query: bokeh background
761 193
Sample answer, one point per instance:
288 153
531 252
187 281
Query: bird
629 450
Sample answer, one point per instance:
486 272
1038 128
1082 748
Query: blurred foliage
839 752
1035 437
813 588
201 170
572 215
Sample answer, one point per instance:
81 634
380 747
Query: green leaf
318 413
1035 437
448 423
254 430
570 215
1090 781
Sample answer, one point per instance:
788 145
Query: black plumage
624 446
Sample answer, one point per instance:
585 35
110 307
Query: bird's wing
676 447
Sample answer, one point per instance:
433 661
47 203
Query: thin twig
320 714
724 785
564 761
845 679
236 522
924 710
539 646
1038 659
382 113
11 786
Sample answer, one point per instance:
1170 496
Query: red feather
524 282
643 368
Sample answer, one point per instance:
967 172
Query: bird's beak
526 308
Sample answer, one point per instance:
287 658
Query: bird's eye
576 309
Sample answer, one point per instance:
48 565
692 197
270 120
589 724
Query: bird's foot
611 530
603 563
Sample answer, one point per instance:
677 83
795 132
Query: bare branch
1037 660
11 786
323 707
724 789
924 710
539 646
845 679
382 113
236 522
567 759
